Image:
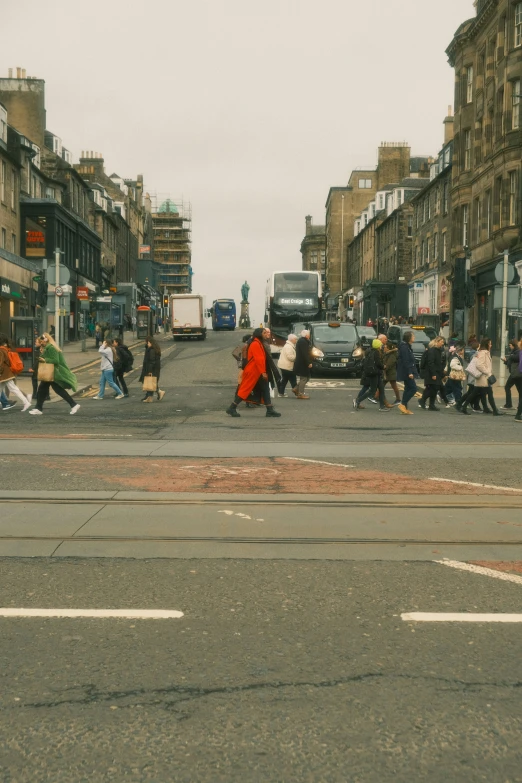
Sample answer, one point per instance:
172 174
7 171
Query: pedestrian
485 378
237 353
432 369
391 356
372 378
53 373
123 365
34 370
457 374
255 377
8 371
5 402
98 335
303 363
286 366
109 360
151 370
517 374
120 332
274 376
511 361
407 371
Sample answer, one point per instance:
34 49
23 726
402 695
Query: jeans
43 394
107 376
518 384
507 388
13 389
376 382
4 400
288 376
453 389
410 390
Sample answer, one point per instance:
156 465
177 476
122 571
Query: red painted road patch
508 566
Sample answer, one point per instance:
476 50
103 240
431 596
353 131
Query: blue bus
223 314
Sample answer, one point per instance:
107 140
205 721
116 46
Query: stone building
171 223
430 275
344 204
486 54
313 249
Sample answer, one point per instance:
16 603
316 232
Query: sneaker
119 397
396 403
125 395
423 407
35 412
161 395
281 395
450 403
475 410
74 410
371 399
97 397
9 406
354 403
232 411
506 407
384 410
271 413
498 413
433 408
27 405
519 419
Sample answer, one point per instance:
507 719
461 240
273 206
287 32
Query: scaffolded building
171 224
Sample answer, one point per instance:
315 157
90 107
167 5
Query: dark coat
378 363
302 357
406 362
434 367
512 362
151 364
391 357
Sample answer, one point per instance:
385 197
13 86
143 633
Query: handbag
472 370
46 372
491 380
457 375
150 383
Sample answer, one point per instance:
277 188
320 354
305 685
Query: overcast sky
249 110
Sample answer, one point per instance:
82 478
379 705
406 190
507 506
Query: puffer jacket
390 364
6 374
483 364
287 356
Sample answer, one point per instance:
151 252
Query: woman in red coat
254 375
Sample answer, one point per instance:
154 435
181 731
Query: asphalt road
291 661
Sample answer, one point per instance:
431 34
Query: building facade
486 54
313 249
171 249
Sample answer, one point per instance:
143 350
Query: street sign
499 272
104 298
36 279
64 275
513 297
58 291
62 312
515 313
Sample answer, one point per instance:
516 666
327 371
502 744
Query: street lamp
502 244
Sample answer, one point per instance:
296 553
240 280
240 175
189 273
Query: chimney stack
448 126
18 73
10 73
23 73
308 220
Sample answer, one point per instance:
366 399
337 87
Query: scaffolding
171 224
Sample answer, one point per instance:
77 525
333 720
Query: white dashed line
474 484
459 617
319 462
130 614
475 569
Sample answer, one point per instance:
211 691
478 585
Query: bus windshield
296 289
226 306
344 333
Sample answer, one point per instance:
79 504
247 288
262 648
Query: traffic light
165 300
351 302
41 295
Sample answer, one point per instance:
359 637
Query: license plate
337 365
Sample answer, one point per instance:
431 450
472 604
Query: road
296 551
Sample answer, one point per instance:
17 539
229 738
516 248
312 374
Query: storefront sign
144 249
82 292
423 310
35 238
104 299
10 290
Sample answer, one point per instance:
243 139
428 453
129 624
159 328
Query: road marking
319 462
130 614
227 470
475 569
459 617
474 484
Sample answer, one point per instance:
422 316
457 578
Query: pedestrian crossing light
351 302
165 300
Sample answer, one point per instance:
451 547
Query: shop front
16 300
488 315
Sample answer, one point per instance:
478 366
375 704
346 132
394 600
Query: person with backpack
124 363
10 366
60 376
372 378
256 376
109 362
407 371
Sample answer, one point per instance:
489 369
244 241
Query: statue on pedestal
244 318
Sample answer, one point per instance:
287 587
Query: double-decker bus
223 314
292 297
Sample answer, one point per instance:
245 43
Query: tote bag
46 372
150 383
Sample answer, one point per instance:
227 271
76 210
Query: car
366 335
423 336
336 348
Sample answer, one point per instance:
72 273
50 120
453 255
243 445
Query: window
488 213
476 221
410 226
323 258
437 201
444 247
423 251
469 84
431 299
13 189
365 184
445 199
3 124
13 243
467 150
515 104
436 246
3 176
465 225
4 238
513 198
429 206
518 24
313 259
500 112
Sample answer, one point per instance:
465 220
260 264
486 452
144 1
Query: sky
251 111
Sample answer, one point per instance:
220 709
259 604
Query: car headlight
357 353
317 353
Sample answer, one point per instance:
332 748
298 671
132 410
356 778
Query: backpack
424 360
244 354
126 358
369 367
15 363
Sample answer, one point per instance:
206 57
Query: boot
295 390
270 412
232 411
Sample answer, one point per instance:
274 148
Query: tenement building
313 249
171 225
486 53
431 273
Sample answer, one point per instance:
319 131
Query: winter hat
376 344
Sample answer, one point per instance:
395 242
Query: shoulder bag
491 380
472 370
46 372
150 383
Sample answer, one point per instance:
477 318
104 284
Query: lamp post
503 244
